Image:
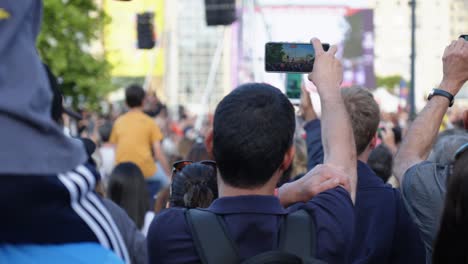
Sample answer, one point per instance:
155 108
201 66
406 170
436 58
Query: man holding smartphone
252 145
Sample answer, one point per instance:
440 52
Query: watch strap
443 93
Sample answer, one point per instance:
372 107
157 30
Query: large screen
351 29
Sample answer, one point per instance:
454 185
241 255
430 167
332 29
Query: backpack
213 245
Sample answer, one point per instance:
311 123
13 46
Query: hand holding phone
328 73
290 57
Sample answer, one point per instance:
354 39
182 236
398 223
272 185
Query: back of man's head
364 113
253 129
446 146
134 96
381 162
105 131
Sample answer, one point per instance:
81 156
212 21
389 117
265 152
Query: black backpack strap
211 238
297 235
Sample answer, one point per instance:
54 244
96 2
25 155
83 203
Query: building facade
438 22
190 47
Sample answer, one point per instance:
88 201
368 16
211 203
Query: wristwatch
443 93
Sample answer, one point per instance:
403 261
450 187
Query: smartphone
290 57
465 37
293 87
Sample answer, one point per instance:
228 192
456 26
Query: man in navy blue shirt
384 232
252 144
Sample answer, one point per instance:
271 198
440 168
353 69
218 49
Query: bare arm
337 135
339 166
418 142
159 155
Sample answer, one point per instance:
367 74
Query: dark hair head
105 131
127 188
134 95
252 131
194 186
184 147
364 114
381 162
450 244
398 134
198 152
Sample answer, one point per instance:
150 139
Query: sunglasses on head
179 165
460 151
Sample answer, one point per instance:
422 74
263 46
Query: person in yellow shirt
137 137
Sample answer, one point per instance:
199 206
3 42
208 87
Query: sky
299 52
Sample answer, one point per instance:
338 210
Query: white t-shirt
148 219
107 156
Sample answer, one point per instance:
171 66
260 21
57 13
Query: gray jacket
133 238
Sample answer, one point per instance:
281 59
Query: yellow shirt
134 134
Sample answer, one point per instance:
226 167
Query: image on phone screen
290 57
293 87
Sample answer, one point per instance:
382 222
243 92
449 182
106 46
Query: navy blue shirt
253 222
384 232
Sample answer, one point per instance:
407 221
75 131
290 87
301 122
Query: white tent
387 102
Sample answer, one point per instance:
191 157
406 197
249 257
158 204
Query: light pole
411 98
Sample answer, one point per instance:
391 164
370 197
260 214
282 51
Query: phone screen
293 86
465 37
290 57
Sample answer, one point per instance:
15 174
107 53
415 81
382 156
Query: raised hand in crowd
337 135
423 183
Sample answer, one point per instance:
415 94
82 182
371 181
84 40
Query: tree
68 31
389 82
275 53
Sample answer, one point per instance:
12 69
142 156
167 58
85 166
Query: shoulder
333 212
117 213
119 120
146 118
169 238
423 193
420 171
424 177
165 226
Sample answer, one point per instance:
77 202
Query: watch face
430 95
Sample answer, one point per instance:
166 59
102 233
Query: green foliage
389 82
275 53
69 29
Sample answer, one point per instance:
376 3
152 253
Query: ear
209 142
288 158
374 142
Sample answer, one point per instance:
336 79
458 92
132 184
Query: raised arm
339 166
337 135
417 144
313 131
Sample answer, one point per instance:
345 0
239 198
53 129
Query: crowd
290 66
259 183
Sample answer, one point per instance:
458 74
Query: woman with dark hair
451 242
128 189
193 184
198 152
